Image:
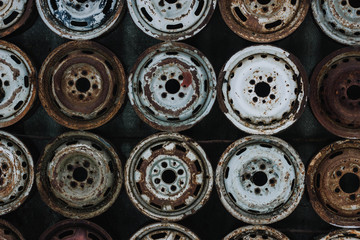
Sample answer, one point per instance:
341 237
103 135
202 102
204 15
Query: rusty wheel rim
172 86
171 20
75 229
327 175
263 89
80 20
338 19
260 179
9 232
256 232
79 175
335 98
168 177
17 84
82 85
342 235
163 231
16 173
263 20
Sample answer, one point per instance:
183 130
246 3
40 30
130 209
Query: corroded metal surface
82 85
335 95
80 19
16 172
14 14
263 20
17 84
79 175
171 19
164 231
338 19
260 179
333 183
75 230
9 232
342 235
263 89
168 176
255 233
172 86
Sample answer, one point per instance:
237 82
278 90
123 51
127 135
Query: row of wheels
257 21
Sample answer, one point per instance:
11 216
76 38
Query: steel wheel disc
168 177
169 19
75 229
82 85
9 232
80 19
17 84
340 20
342 235
164 231
260 179
255 232
79 175
263 20
332 178
263 89
172 86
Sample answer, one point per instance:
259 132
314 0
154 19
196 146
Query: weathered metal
14 14
164 231
255 233
335 95
260 179
262 89
9 232
16 173
333 183
338 19
18 84
172 86
342 234
168 176
79 175
263 20
171 20
75 230
82 85
80 19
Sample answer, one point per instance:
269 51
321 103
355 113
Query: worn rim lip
32 81
70 223
335 37
25 194
12 228
47 198
315 106
172 36
66 121
322 212
274 232
264 38
288 123
72 34
188 212
163 225
335 235
232 208
179 127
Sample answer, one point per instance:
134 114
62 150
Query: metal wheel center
259 178
262 89
354 3
349 183
168 176
80 174
83 85
172 86
353 92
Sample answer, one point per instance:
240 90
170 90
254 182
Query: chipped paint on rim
172 86
260 179
171 20
256 232
9 232
168 176
263 89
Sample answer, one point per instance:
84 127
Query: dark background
214 133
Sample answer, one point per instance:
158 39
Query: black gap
146 14
199 8
240 14
10 18
175 26
15 59
157 147
79 24
273 24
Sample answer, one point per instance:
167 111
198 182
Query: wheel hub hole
264 2
172 86
354 3
80 174
262 89
353 92
349 183
83 85
259 179
171 1
168 176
